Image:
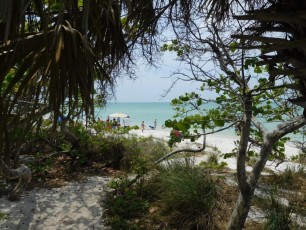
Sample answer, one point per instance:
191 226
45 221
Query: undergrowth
176 195
2 216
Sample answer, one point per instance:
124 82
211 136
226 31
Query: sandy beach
78 205
225 144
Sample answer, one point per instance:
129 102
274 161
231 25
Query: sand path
78 205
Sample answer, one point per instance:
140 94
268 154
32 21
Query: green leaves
253 63
175 46
199 102
7 80
219 123
257 69
233 46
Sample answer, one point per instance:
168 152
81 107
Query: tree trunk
243 203
241 211
23 173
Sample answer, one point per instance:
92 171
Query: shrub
186 195
123 203
129 198
213 158
128 153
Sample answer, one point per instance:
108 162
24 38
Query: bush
181 195
128 153
129 199
213 158
187 195
124 203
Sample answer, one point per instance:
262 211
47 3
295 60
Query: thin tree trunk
241 211
243 203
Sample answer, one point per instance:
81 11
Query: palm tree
55 53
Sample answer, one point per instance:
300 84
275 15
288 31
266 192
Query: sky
152 83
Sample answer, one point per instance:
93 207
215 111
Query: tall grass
278 217
187 195
3 216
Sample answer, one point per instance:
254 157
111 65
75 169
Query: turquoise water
145 111
161 111
140 111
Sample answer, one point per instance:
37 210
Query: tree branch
183 150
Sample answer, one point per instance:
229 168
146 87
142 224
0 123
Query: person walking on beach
142 126
155 124
127 122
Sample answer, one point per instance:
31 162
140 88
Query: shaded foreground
78 205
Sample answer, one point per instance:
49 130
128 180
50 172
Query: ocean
139 111
147 112
161 111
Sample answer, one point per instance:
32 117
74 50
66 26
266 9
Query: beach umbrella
118 115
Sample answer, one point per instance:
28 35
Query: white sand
225 144
75 206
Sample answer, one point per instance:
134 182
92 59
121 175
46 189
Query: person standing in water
142 126
155 124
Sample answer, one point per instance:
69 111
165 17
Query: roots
22 172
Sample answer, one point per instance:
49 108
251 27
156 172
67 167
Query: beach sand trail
78 205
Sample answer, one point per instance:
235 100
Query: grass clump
278 216
186 196
212 162
291 178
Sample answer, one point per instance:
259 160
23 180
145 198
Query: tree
245 97
276 28
60 53
57 55
59 49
